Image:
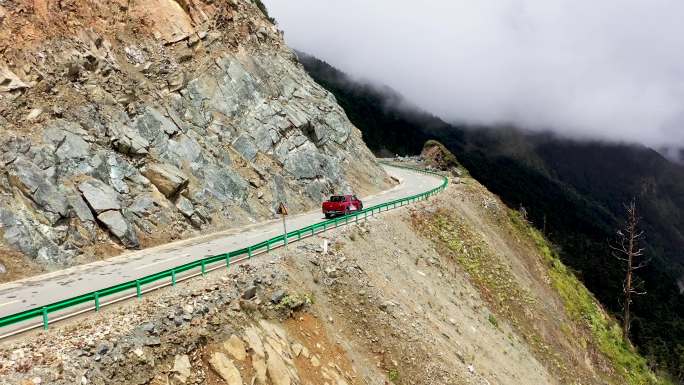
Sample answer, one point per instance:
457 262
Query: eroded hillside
455 290
125 124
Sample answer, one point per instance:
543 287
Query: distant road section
45 289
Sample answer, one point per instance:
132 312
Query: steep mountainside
125 124
454 290
574 191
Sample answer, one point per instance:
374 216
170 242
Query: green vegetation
442 158
492 320
573 191
584 308
393 375
264 10
295 301
472 253
495 281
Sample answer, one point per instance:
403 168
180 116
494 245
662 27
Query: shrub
264 10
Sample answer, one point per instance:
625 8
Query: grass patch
492 320
583 308
393 375
495 282
295 301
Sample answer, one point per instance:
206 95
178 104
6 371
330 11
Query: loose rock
225 368
235 347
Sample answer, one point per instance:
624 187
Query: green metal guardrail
96 296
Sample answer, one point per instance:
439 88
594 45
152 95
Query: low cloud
612 69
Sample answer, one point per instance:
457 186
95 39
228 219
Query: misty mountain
573 190
673 153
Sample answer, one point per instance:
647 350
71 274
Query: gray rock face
99 195
119 226
167 178
128 141
185 206
36 185
80 208
176 141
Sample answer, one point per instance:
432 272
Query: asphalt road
45 289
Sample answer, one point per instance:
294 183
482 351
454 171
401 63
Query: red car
341 205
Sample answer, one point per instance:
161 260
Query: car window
354 198
337 198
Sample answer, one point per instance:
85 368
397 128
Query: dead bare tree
627 248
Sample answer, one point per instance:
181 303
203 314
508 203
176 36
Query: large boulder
35 183
182 368
225 368
168 179
80 208
9 81
169 20
277 370
120 227
127 140
99 195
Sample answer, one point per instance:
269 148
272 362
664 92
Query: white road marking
158 262
9 303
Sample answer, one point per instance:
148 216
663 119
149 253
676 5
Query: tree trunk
629 251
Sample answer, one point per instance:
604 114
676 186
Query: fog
608 69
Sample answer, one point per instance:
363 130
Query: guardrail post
173 277
204 269
97 301
299 235
45 318
227 261
268 246
249 252
138 289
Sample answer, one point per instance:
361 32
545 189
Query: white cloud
602 69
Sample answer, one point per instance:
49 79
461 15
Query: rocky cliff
129 123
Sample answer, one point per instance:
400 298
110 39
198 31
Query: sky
606 69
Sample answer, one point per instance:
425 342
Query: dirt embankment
450 291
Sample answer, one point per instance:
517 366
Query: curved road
45 289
